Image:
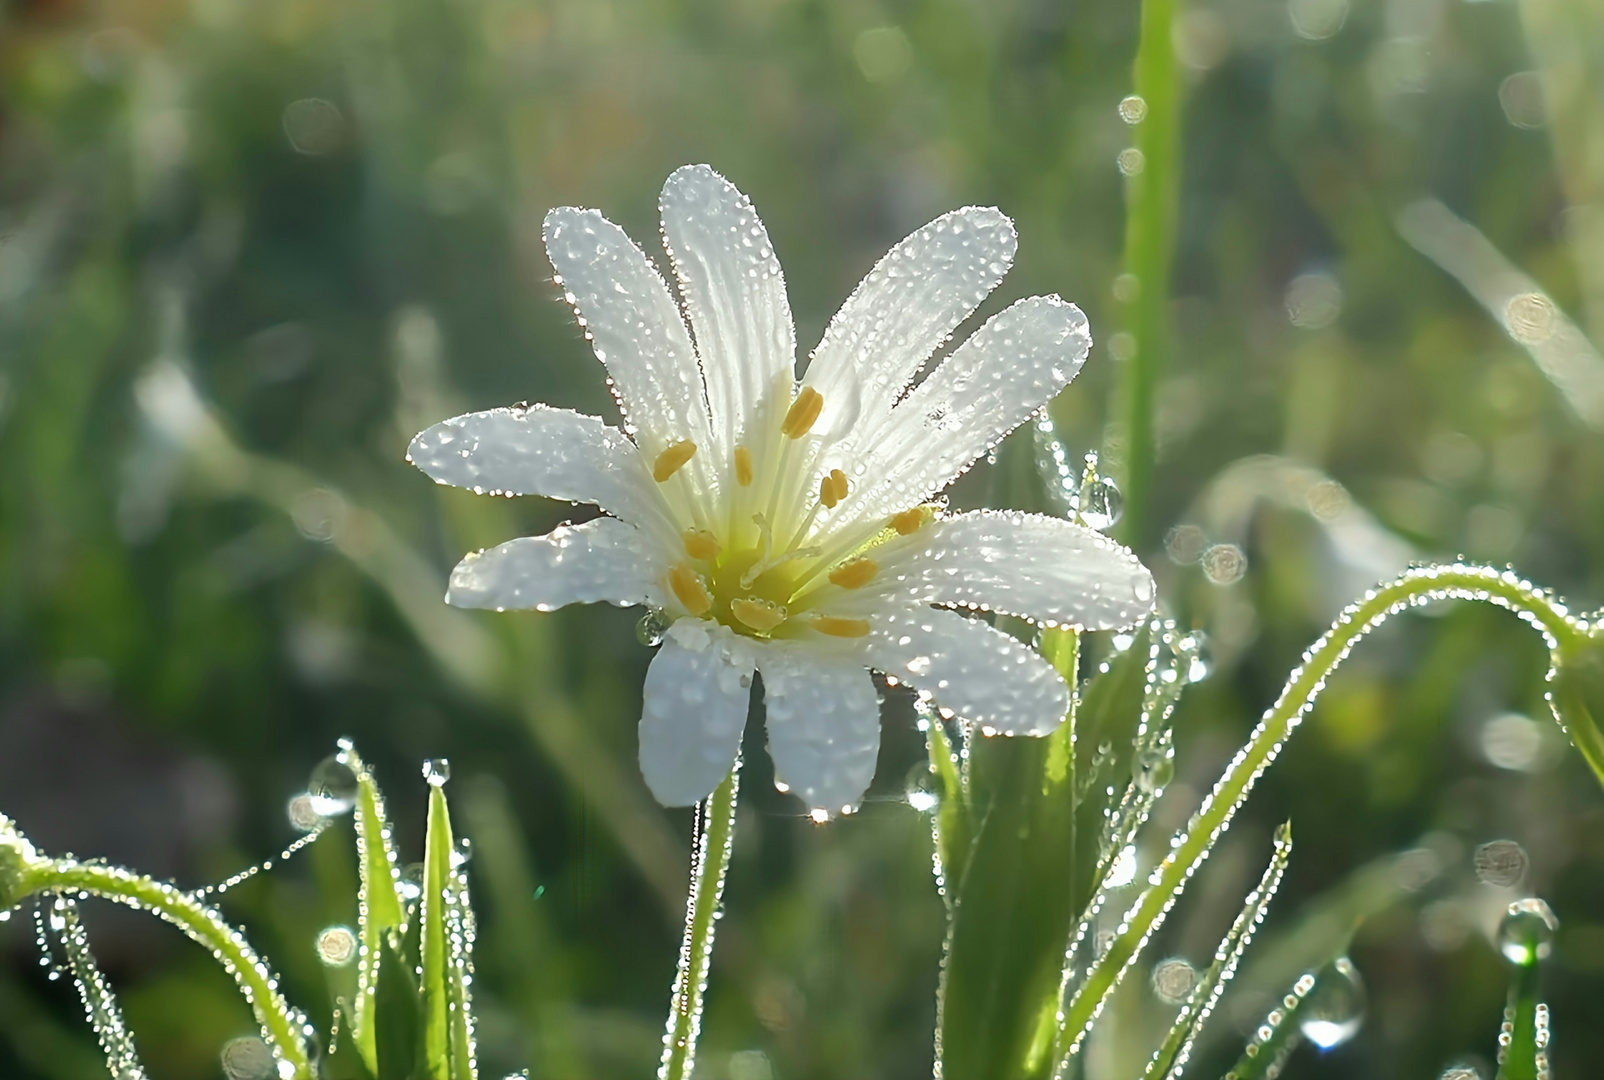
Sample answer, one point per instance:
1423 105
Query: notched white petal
992 383
1036 567
735 298
823 719
538 450
633 325
979 673
907 306
693 711
604 559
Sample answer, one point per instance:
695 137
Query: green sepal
1576 695
397 1015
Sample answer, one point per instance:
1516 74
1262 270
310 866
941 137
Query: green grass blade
1176 1050
397 1014
434 989
379 907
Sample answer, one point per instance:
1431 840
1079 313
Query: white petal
603 559
633 324
1029 565
992 383
538 450
823 720
735 297
903 311
693 712
979 673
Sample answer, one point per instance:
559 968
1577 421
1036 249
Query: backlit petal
603 559
823 719
538 450
971 669
1029 565
693 711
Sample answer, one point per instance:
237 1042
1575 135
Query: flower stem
710 860
1415 587
281 1026
1152 195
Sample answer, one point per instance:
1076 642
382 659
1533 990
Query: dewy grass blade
438 875
100 1003
1191 848
1525 937
379 907
715 835
1172 1056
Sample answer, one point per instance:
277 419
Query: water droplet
1313 300
1530 318
1500 863
1131 161
302 814
1173 980
1101 504
248 1058
1460 1071
1224 564
924 793
1514 742
1335 1009
1152 770
649 631
410 884
1123 872
332 789
336 946
1133 109
462 852
1526 934
437 771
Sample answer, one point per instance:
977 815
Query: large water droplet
1152 770
1101 504
649 631
924 793
1173 980
248 1058
1526 935
1500 863
1335 1009
437 771
336 946
332 788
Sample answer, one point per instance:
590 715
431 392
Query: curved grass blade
1327 1006
444 932
379 906
397 1016
100 1003
1176 1050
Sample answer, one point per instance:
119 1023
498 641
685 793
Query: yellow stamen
760 615
803 412
669 461
833 488
692 592
910 521
743 466
701 544
839 627
855 574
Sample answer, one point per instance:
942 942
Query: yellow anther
855 574
803 412
692 592
839 627
669 461
701 544
743 466
833 488
911 521
760 615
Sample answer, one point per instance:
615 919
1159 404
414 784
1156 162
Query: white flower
783 526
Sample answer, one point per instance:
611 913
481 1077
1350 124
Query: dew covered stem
710 860
1188 850
281 1027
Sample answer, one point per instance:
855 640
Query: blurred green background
248 247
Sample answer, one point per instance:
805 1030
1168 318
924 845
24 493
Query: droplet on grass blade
332 788
1334 1010
1526 934
1102 504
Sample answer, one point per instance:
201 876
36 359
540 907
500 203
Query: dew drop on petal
1335 1009
1101 504
649 631
332 789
